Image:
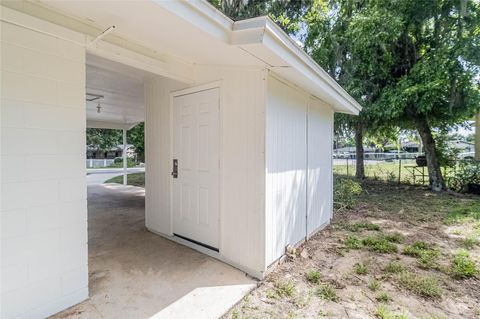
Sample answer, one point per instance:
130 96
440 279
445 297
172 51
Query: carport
136 274
133 272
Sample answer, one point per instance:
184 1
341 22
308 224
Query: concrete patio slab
136 274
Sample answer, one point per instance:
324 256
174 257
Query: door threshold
197 242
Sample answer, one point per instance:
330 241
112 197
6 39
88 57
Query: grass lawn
134 179
400 252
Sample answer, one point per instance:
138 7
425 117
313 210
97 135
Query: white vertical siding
242 171
286 160
44 263
157 153
319 184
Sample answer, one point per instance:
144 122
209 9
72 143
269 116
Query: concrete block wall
43 211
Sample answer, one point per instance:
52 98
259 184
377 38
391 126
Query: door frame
190 90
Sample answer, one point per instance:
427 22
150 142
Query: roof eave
262 30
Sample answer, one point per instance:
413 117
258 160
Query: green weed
285 288
383 297
470 242
313 276
374 285
379 244
463 266
327 292
394 267
463 212
361 268
423 286
426 254
353 242
356 227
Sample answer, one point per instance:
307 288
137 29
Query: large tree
410 63
106 139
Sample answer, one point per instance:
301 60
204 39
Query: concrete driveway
97 176
136 274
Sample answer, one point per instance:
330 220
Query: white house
238 135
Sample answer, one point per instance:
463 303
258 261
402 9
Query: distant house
462 146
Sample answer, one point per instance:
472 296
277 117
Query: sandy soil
416 214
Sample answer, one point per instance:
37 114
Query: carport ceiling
122 88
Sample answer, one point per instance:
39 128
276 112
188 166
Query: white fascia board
262 30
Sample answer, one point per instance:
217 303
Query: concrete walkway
136 274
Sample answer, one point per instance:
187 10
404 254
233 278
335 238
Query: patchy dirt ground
401 252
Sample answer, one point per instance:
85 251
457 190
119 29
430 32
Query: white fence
377 156
98 163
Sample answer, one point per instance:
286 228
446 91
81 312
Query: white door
195 146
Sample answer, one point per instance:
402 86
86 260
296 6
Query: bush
466 173
345 193
463 266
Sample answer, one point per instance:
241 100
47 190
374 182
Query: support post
477 137
124 155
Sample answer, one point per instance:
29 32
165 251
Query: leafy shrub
345 193
467 172
313 276
463 266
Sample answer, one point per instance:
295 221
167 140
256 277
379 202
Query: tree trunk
434 171
360 169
